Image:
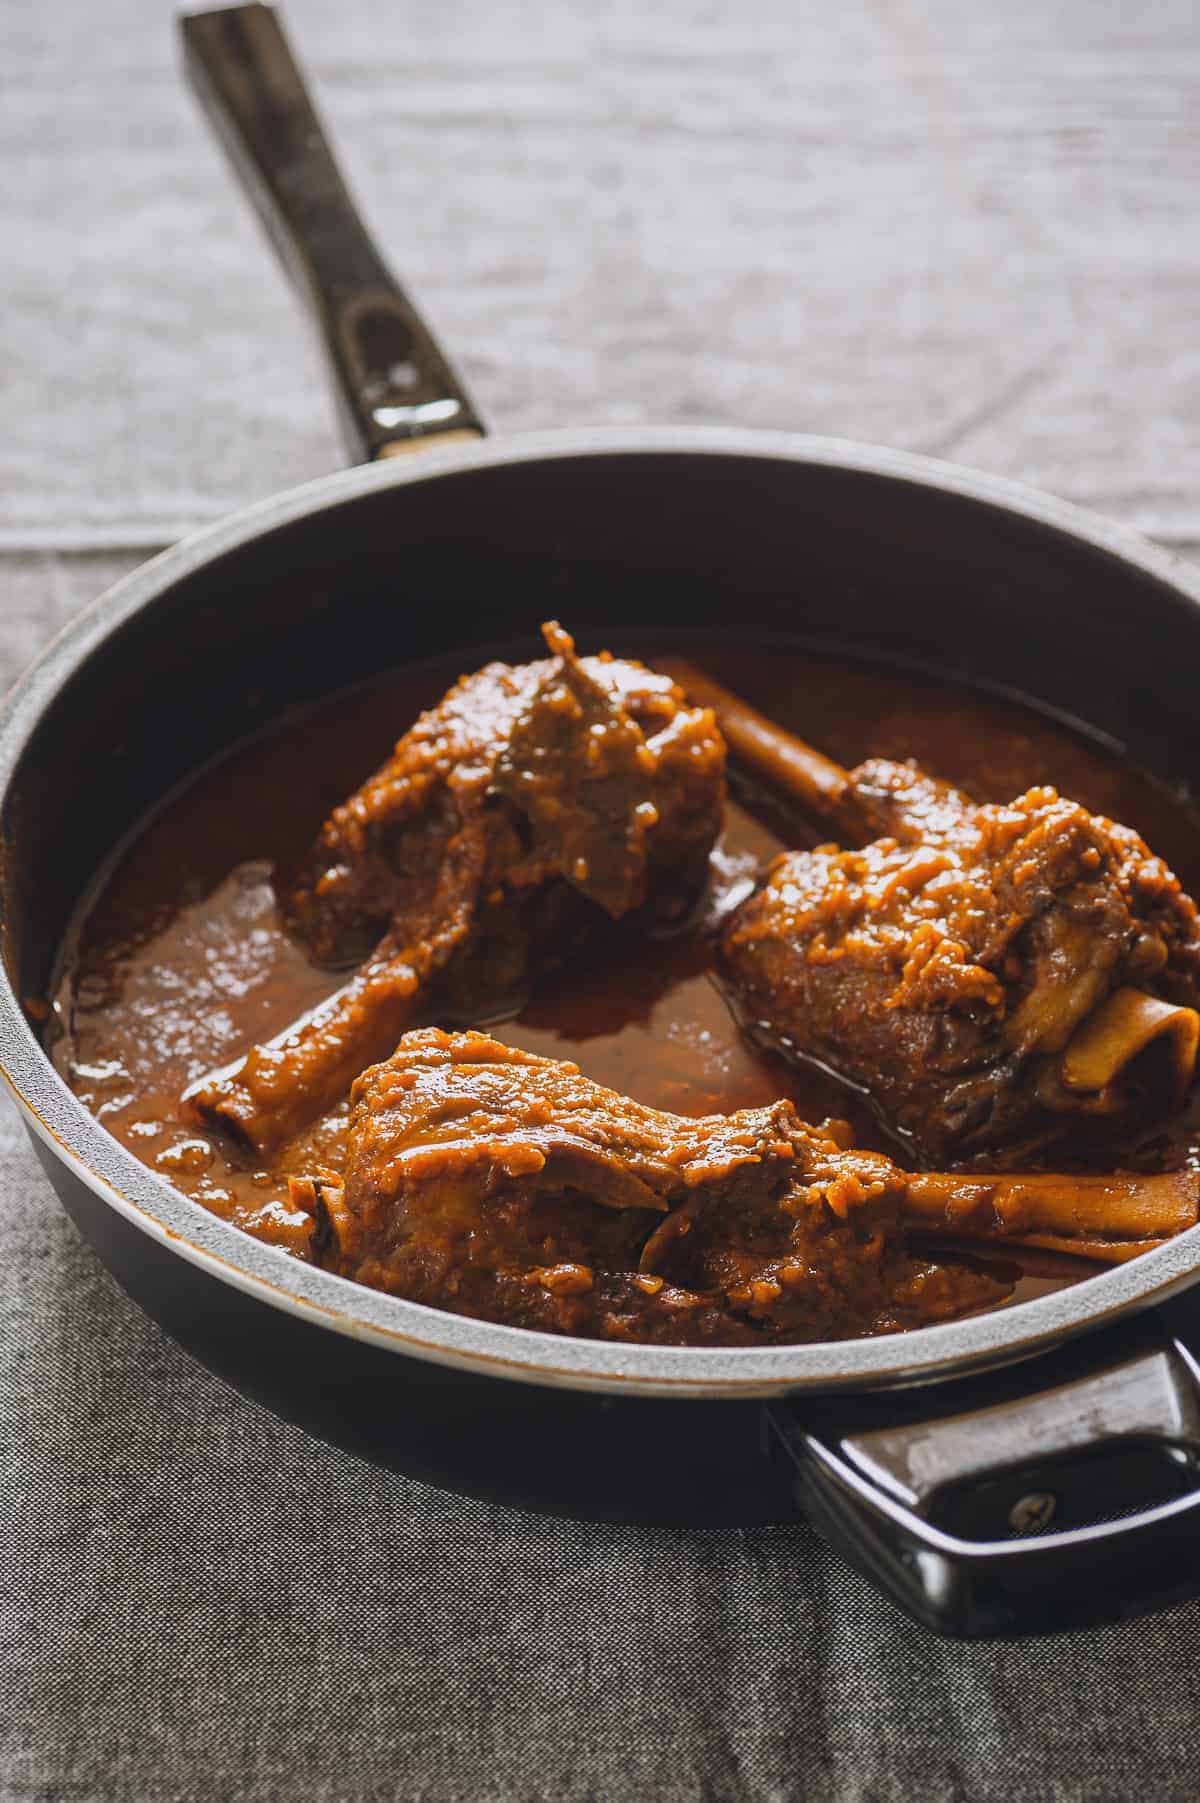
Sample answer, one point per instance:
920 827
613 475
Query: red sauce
178 964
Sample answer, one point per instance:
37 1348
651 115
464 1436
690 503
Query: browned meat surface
495 1183
179 961
534 804
954 967
589 770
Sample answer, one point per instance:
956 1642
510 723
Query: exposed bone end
1110 1217
1115 1035
778 757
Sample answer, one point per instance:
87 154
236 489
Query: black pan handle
395 389
982 1520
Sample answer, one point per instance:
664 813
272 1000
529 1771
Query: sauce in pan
178 963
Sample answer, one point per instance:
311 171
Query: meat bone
594 795
1107 1217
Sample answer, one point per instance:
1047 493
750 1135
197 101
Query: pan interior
627 549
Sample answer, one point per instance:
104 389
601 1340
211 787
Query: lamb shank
486 1180
531 807
991 974
495 1183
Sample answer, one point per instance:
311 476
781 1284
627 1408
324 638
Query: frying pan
957 1465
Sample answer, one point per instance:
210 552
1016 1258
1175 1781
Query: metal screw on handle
1030 1514
938 1501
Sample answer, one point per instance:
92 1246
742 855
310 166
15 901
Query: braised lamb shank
496 1183
990 973
533 805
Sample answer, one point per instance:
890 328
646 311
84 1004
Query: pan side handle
396 391
983 1520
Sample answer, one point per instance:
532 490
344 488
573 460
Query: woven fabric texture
954 227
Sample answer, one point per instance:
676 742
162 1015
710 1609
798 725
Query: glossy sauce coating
180 962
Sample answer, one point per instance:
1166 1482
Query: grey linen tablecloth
966 229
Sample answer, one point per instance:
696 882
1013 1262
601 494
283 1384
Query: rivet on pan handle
980 1519
395 389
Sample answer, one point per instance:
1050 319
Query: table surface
961 228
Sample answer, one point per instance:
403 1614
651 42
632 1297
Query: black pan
965 1499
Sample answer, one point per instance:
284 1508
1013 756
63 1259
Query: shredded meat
946 966
495 1183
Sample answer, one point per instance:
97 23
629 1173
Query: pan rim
280 1281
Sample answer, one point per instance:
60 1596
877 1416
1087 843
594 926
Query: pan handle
982 1520
396 391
